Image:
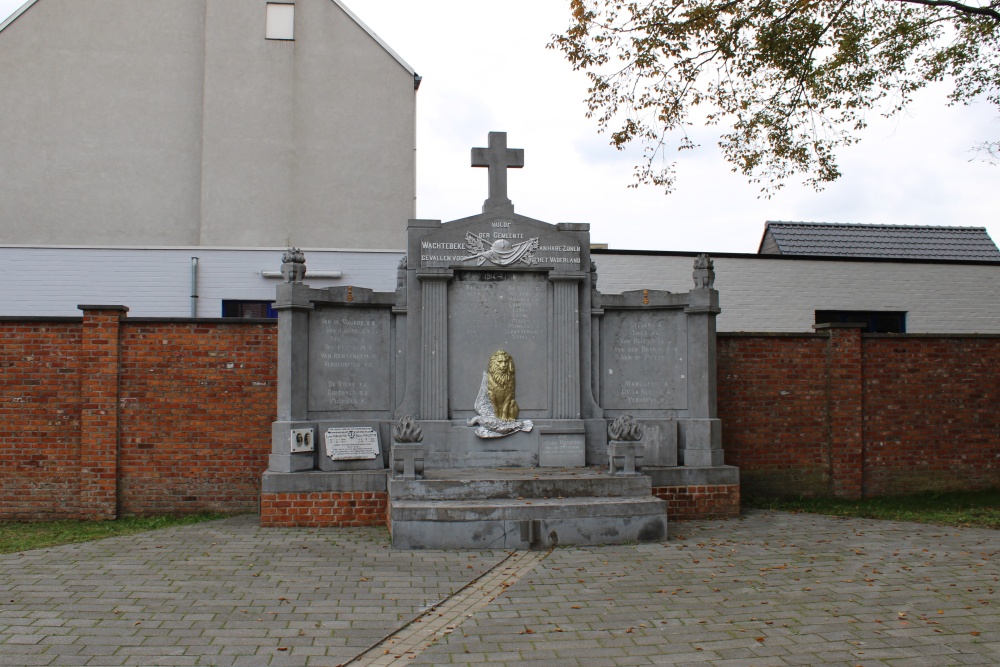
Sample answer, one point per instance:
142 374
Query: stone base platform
522 508
580 505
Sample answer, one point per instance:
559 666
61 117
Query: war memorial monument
497 397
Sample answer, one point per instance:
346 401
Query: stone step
513 483
538 523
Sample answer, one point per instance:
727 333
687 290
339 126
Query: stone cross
498 158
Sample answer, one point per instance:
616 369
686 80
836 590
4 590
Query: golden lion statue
501 385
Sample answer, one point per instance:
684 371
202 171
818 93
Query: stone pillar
293 305
566 352
845 409
99 364
434 342
293 359
702 432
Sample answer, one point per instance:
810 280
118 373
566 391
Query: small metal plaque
301 440
353 442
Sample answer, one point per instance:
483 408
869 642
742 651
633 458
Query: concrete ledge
683 476
321 482
544 534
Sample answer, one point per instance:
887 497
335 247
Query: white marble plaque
352 442
301 440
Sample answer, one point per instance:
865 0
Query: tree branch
959 7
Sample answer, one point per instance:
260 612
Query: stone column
845 409
434 342
293 305
99 365
702 433
566 350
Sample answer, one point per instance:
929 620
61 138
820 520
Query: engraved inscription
502 243
357 442
350 349
498 310
562 449
645 357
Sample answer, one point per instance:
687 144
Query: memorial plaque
562 450
350 353
645 354
351 443
498 310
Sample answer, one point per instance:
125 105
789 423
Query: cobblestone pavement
768 589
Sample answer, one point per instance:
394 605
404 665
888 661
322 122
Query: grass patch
24 535
980 509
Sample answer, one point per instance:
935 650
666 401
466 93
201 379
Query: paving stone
767 589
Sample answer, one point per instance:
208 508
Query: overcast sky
485 67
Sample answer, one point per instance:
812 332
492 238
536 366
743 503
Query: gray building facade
234 123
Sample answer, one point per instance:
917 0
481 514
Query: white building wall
759 293
156 282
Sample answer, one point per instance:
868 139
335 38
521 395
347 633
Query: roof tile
889 241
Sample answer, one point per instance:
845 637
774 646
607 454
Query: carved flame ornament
407 430
704 272
293 265
625 429
496 406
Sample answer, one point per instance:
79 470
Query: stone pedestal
408 460
625 457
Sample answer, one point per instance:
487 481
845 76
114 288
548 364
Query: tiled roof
888 241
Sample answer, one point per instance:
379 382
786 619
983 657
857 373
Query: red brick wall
39 419
99 357
321 509
700 502
102 416
932 413
773 406
197 402
840 413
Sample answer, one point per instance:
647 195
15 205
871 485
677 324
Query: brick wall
700 502
329 508
103 415
932 413
846 414
773 405
197 402
39 418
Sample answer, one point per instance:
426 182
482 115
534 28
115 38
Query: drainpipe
194 287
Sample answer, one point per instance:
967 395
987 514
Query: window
248 309
875 321
280 21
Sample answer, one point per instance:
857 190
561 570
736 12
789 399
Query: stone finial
401 275
625 429
293 265
704 272
407 430
593 275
